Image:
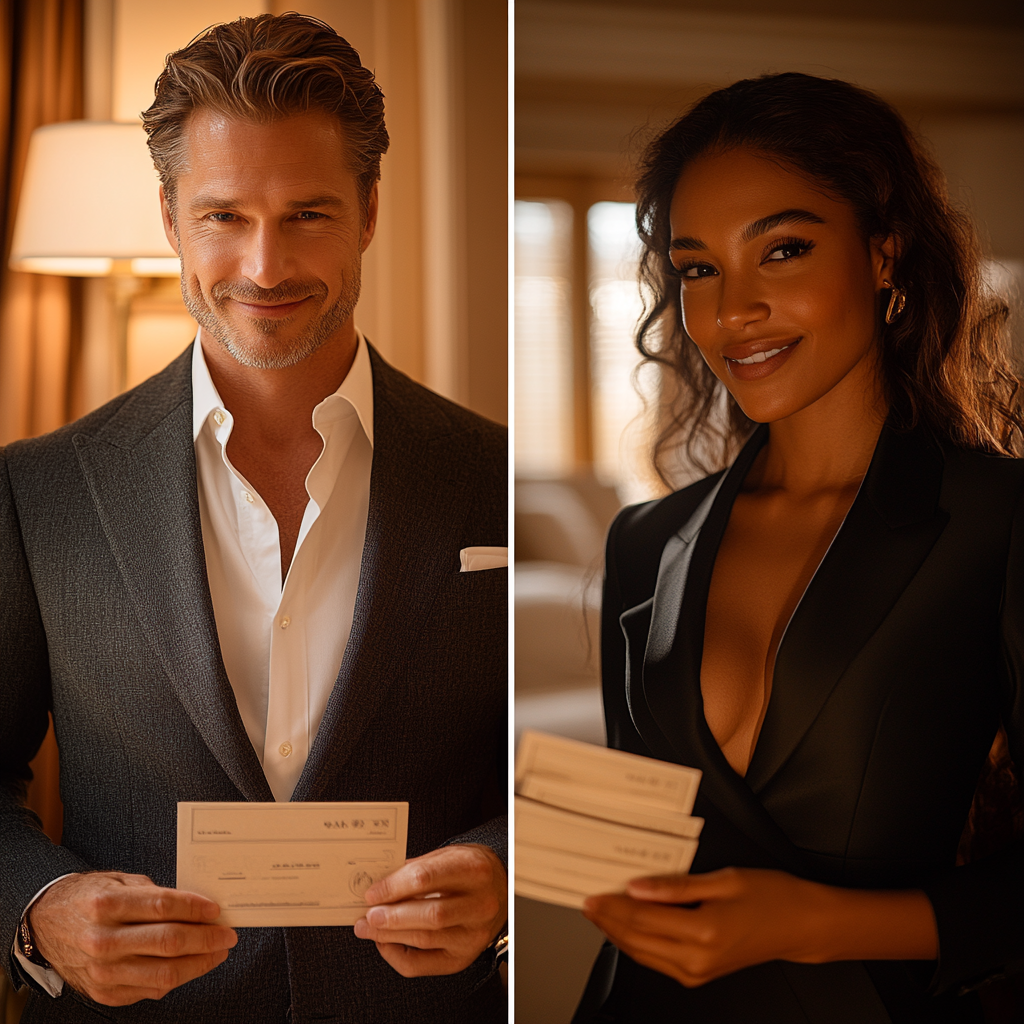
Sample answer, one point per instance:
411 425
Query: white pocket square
475 559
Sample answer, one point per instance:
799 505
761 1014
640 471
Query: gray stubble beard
323 326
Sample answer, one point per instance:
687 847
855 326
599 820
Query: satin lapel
413 516
889 531
650 628
141 473
664 688
636 628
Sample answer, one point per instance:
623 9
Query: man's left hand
437 913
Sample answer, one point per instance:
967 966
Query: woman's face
779 287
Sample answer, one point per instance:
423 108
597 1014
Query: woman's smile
758 359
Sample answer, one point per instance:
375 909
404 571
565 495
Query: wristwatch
27 947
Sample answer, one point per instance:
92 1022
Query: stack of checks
588 819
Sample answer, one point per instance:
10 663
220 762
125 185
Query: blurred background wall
592 81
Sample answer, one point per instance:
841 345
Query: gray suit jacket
106 619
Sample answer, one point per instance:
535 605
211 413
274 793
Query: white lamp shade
89 197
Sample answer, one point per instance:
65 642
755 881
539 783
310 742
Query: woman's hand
738 917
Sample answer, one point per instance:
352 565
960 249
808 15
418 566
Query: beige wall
145 32
485 124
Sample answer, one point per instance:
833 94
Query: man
241 581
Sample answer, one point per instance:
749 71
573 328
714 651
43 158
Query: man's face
270 232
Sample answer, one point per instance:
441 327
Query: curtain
41 82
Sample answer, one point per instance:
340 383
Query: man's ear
165 214
370 220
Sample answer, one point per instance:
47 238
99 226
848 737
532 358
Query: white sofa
560 527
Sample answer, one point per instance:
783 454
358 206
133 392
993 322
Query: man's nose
266 260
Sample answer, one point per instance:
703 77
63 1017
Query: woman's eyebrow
758 227
765 224
686 242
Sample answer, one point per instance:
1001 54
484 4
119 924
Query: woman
832 629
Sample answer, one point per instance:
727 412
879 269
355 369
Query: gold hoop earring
897 301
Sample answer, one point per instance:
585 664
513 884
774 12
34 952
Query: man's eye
695 270
309 215
222 218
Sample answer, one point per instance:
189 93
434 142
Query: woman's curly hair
944 361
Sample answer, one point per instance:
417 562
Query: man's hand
119 938
443 934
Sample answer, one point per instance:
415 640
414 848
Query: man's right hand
119 938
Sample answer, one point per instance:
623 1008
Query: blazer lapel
665 641
672 658
141 473
651 633
411 519
889 531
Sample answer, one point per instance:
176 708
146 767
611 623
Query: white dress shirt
282 644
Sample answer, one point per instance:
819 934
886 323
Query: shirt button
285 622
218 417
285 749
248 497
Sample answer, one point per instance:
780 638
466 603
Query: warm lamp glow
68 266
89 202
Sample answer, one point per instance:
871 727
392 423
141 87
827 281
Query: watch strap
27 947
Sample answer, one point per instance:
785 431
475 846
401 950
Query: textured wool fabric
106 617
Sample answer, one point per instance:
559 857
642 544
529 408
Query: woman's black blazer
901 660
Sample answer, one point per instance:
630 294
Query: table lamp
89 208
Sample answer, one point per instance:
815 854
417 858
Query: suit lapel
651 633
413 530
141 473
671 665
889 531
663 673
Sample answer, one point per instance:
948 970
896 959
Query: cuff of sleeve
48 980
978 909
493 833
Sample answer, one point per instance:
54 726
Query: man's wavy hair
261 69
944 362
